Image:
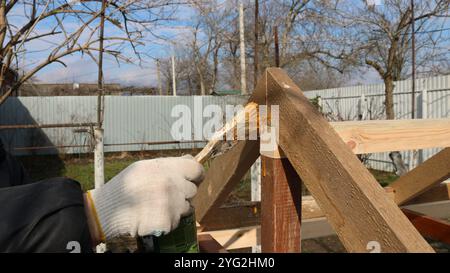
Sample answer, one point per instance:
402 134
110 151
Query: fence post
255 174
362 108
423 114
320 103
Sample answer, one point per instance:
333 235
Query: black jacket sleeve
12 172
46 216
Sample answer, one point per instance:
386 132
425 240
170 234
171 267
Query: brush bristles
243 126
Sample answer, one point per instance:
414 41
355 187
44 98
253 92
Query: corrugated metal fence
367 102
148 118
128 119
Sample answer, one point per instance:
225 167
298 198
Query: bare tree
379 36
220 19
22 22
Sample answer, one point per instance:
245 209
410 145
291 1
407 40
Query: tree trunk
215 70
389 97
396 157
202 83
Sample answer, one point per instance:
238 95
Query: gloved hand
147 198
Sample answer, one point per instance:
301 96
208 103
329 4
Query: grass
82 170
384 178
84 173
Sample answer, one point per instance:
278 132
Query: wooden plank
319 227
310 208
342 186
428 174
429 227
236 238
222 176
439 193
280 206
440 209
316 228
246 215
372 136
230 217
207 244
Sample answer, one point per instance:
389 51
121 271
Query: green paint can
183 239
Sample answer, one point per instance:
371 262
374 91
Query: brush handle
207 151
214 144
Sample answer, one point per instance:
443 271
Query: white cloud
85 70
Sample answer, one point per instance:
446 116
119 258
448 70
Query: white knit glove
147 198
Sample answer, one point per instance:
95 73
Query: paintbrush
217 143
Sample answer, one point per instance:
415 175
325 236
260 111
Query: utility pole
277 49
414 153
413 48
158 71
99 174
255 56
174 81
242 49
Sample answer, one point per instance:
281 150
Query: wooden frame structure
346 198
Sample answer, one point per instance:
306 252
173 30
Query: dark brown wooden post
280 206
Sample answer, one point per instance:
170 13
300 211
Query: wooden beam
373 136
223 175
316 228
207 244
439 193
236 238
428 174
247 215
280 206
429 227
230 217
438 209
342 186
320 227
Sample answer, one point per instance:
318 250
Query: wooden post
280 194
280 206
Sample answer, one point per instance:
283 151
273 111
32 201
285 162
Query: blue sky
83 69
